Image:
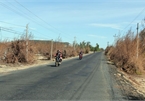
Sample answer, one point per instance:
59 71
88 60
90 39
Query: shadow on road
51 65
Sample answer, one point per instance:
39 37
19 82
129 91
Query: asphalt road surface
86 79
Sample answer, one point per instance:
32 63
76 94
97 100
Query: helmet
58 50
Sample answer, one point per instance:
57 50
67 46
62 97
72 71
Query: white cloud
113 26
96 36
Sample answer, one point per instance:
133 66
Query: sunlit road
86 79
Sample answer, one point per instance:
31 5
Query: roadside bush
41 47
87 50
124 54
16 52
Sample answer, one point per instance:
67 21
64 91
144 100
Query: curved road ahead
86 79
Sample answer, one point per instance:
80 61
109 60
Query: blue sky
94 21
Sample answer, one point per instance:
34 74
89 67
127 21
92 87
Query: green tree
97 47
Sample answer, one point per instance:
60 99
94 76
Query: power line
27 17
135 18
10 30
34 14
37 32
39 17
13 10
8 7
21 14
17 12
12 24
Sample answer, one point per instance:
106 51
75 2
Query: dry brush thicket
127 54
18 51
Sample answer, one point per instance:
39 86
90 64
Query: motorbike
80 56
57 61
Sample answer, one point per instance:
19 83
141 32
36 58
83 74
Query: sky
94 21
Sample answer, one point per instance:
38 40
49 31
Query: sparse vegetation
124 53
18 51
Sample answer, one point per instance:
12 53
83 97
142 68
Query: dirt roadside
7 69
133 86
137 81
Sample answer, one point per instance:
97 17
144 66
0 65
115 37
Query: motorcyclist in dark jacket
81 53
59 55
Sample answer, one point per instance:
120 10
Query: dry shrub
74 53
3 50
16 52
142 48
87 49
41 47
44 48
124 54
64 54
108 50
70 52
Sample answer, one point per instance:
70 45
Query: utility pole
114 39
108 44
27 42
137 40
51 49
74 43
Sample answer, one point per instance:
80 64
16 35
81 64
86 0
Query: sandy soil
7 69
137 81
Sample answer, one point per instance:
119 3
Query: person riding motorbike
59 55
80 55
81 52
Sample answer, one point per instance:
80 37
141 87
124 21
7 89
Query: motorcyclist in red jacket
80 55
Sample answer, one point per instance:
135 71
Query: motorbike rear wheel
56 64
80 57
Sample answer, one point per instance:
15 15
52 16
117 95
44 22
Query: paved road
86 79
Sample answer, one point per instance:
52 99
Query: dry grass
15 51
124 54
18 52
